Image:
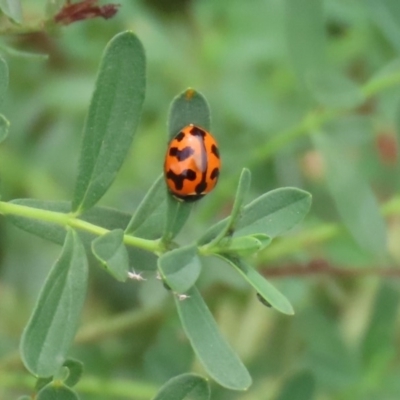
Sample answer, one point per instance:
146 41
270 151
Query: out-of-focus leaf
354 198
272 214
190 107
112 120
110 250
153 202
268 292
180 268
13 9
56 391
53 6
51 329
300 386
4 77
386 15
379 340
217 357
326 354
184 387
4 125
305 33
333 89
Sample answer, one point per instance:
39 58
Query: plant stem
70 220
90 385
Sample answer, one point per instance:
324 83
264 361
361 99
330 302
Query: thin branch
322 267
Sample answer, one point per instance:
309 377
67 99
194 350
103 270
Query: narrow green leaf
56 391
4 78
185 387
300 386
153 200
112 120
180 268
53 324
268 292
305 34
271 214
102 216
241 192
13 9
244 245
4 126
217 357
110 250
75 369
353 197
178 213
386 15
190 107
333 89
379 340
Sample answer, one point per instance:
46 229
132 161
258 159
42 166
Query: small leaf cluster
114 238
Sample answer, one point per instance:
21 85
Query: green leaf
305 34
333 89
354 199
4 78
217 357
102 216
379 340
180 268
178 213
51 329
268 292
112 120
56 391
244 245
184 387
25 398
110 250
152 204
190 107
271 214
300 386
386 15
75 369
13 9
241 192
53 7
4 126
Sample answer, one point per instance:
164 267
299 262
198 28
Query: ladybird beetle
192 164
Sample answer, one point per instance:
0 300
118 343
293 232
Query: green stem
116 388
70 220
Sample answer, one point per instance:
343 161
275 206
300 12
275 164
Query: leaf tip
189 94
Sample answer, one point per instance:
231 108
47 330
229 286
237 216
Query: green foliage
304 94
112 120
184 387
52 327
217 357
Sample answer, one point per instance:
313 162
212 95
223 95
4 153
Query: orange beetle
192 163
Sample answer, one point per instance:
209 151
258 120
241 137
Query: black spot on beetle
181 155
195 131
214 173
214 150
201 187
178 179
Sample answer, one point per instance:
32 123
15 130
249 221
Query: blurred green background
305 93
